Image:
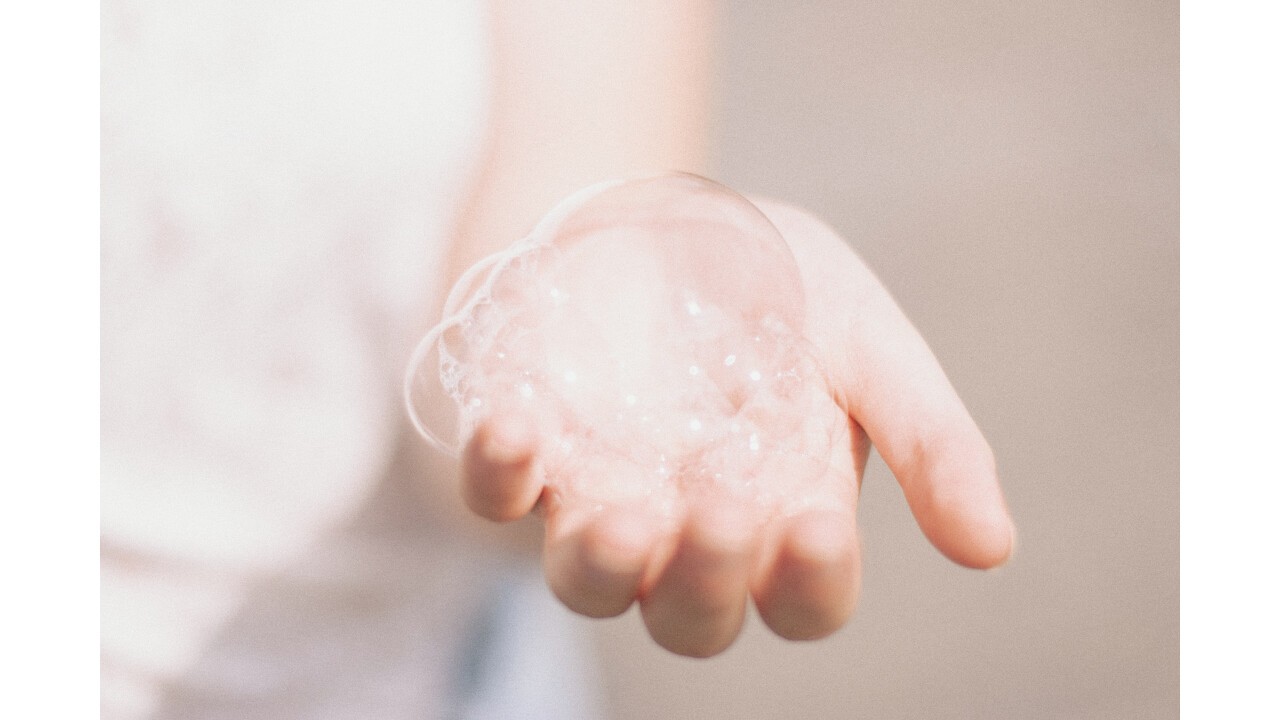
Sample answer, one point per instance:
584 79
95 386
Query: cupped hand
693 578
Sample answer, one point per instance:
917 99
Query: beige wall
1010 169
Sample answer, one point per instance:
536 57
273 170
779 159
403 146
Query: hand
692 581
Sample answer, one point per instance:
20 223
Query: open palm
693 579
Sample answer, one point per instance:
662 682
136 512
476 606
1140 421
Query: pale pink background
1010 169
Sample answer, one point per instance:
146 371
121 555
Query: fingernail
1013 543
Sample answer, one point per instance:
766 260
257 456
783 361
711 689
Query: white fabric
277 180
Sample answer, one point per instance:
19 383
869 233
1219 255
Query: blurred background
1010 170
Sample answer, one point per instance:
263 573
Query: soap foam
654 328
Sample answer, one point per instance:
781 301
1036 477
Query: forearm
583 91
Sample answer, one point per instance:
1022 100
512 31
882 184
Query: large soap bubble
654 328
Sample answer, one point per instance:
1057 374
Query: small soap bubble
624 323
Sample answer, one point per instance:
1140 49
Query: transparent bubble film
653 328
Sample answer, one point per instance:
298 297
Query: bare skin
802 571
585 91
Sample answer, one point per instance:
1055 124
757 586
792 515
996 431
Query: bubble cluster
654 329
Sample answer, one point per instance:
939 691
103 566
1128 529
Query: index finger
894 387
884 375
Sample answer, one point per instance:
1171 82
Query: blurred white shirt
277 180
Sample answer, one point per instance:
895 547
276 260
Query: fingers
698 603
594 562
805 586
885 376
500 477
807 583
